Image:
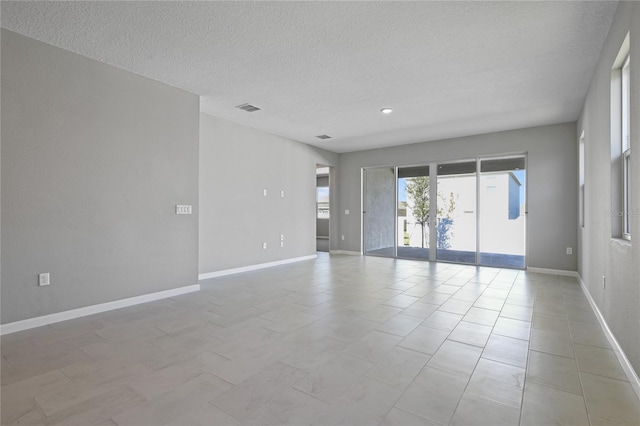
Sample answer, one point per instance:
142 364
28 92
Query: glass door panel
379 213
413 213
502 212
456 213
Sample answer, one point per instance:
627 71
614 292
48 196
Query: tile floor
339 340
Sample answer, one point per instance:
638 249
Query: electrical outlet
281 237
569 250
264 192
43 279
346 211
282 194
264 245
343 238
281 243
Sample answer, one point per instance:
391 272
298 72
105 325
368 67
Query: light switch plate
183 209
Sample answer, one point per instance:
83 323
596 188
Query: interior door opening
323 216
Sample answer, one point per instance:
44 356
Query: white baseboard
254 267
622 358
26 324
347 252
553 272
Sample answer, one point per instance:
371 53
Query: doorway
323 216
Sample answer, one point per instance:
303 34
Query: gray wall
1 33
551 178
600 254
236 164
94 161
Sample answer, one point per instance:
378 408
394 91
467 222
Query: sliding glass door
379 211
502 217
470 212
456 213
414 213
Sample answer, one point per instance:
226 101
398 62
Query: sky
323 195
402 189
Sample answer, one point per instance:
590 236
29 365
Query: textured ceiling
447 69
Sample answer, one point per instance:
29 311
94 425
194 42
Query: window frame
625 145
581 180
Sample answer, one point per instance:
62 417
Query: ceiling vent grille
323 137
248 107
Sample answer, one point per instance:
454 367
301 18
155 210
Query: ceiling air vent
248 107
323 137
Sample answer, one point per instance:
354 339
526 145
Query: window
621 184
322 202
626 148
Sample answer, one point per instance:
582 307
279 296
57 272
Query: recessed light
386 110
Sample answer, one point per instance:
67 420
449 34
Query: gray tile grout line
584 398
419 372
480 357
526 369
